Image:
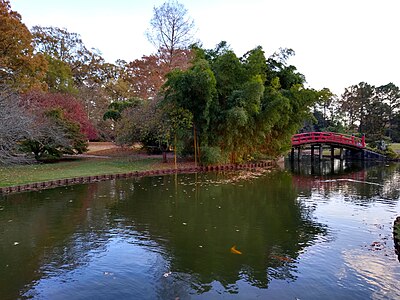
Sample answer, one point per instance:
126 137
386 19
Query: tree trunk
175 141
195 146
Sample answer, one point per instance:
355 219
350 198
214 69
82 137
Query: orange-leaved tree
20 67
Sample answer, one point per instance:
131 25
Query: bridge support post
292 154
332 166
332 152
312 152
299 153
341 153
320 152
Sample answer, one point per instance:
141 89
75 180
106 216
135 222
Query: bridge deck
355 145
330 138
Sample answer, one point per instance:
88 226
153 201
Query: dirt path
95 147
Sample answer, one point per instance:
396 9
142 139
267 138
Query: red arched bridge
354 146
329 138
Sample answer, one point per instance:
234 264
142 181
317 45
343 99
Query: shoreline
36 186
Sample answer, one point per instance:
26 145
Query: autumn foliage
19 66
72 109
147 75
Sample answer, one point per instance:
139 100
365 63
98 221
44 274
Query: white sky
338 43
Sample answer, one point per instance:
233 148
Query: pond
308 232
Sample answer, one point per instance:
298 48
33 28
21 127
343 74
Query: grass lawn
103 158
395 147
76 167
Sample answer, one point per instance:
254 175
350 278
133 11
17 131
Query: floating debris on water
282 258
108 273
350 180
167 274
16 243
376 246
234 250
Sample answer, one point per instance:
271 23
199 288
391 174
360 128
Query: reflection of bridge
308 182
354 146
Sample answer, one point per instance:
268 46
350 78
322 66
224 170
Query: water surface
309 232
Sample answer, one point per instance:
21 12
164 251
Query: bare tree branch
15 125
171 28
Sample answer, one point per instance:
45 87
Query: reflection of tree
191 220
51 228
199 226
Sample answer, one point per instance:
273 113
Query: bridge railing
327 137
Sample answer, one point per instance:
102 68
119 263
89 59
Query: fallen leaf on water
282 258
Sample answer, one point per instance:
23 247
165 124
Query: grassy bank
395 147
77 167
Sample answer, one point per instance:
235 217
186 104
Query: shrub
210 155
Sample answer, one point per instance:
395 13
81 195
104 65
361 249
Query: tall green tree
389 94
245 110
354 102
371 110
59 76
193 90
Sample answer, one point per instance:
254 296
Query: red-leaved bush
74 111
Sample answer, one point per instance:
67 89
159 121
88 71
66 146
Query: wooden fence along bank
89 179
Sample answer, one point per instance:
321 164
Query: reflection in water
188 222
198 226
371 271
326 166
245 235
359 181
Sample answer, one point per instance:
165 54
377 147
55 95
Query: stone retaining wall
89 179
